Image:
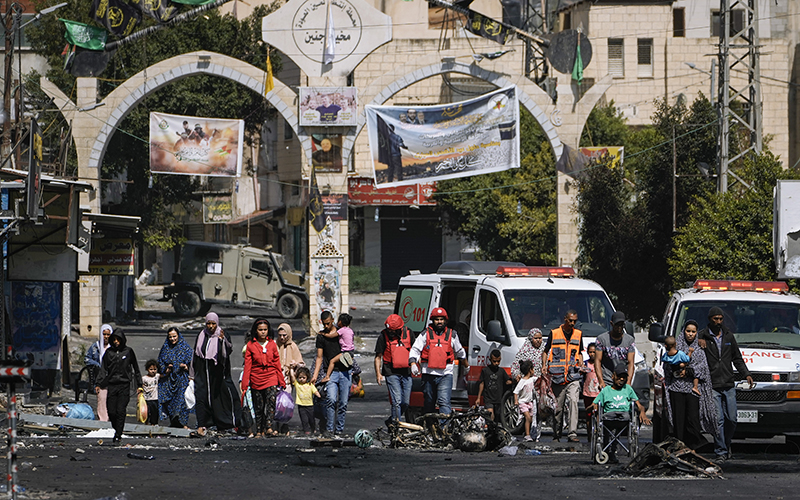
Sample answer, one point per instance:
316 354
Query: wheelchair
621 426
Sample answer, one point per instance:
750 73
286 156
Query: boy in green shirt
616 400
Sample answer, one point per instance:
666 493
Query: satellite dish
563 47
89 63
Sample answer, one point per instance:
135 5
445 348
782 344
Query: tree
510 215
201 95
730 235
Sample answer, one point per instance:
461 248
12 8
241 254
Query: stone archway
94 122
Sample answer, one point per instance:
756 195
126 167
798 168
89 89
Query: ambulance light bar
536 271
735 285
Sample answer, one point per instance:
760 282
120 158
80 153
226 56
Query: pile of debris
671 458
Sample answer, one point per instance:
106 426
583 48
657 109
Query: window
616 57
457 301
679 22
490 311
287 131
261 268
737 22
412 305
544 309
644 57
213 267
567 21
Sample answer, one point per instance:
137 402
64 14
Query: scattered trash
533 452
237 438
121 496
508 451
137 456
622 488
53 456
25 465
4 488
73 458
305 450
78 450
221 462
671 458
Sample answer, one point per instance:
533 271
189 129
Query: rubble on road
61 425
671 458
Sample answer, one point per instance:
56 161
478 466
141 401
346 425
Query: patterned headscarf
527 351
699 364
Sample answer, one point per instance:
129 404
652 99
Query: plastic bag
508 451
188 396
141 408
75 410
284 406
248 415
545 398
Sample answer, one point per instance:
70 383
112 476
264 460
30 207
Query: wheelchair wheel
601 457
596 443
633 439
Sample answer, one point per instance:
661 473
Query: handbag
545 396
248 416
188 396
141 408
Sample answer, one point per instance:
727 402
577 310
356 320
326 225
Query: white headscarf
101 344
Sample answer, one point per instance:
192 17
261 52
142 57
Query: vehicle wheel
187 303
290 306
793 443
510 417
204 308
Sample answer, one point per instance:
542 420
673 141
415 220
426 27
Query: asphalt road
52 467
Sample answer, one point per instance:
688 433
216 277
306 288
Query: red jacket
262 369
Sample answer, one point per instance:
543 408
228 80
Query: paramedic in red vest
564 362
391 363
436 348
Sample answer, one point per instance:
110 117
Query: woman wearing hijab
532 350
174 360
217 399
118 372
291 359
94 357
263 375
690 414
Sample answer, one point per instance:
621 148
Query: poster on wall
327 284
334 206
112 256
36 322
326 152
328 106
191 145
217 208
431 143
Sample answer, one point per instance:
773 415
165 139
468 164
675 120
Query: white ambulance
765 320
493 305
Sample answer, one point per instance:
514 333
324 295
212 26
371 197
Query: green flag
577 70
82 35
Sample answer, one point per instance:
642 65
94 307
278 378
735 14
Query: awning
119 222
258 217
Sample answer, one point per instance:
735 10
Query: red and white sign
362 192
766 360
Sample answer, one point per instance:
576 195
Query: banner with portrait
191 145
326 152
328 106
431 143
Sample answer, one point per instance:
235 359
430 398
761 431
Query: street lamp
712 73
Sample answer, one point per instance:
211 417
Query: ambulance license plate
747 416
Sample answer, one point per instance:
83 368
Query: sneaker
574 439
720 459
527 438
327 434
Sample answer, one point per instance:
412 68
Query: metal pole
674 182
9 61
12 440
724 96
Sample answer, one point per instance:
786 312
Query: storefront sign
363 192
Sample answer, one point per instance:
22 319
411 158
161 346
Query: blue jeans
440 387
725 402
399 394
338 389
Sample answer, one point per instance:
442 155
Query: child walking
525 398
263 375
304 399
150 386
591 387
119 371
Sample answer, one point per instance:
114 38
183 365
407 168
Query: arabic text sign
326 106
217 209
112 256
195 146
363 192
429 143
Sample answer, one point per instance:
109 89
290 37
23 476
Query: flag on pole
162 11
118 17
316 214
577 70
84 36
270 83
329 53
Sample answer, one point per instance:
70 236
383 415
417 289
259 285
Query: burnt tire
290 306
510 417
187 303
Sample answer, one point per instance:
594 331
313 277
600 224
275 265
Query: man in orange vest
436 348
391 363
564 362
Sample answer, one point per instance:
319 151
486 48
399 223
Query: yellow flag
270 83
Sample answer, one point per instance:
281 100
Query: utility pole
10 20
738 51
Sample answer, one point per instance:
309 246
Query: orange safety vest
563 362
396 352
438 351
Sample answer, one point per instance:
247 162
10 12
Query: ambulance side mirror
494 332
656 333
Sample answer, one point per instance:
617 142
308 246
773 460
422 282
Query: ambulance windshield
753 322
545 309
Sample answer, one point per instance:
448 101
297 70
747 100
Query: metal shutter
616 57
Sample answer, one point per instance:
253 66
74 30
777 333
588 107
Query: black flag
161 10
316 214
118 17
487 27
